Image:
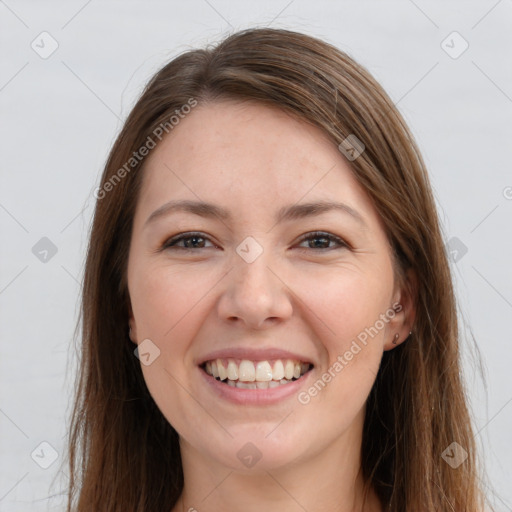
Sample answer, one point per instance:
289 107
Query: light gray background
61 114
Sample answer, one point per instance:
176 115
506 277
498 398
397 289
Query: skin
253 160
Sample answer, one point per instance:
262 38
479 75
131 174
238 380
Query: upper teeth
259 371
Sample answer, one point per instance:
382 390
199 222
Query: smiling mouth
246 374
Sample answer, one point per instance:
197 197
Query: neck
329 481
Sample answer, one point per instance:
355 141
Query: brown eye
190 241
322 240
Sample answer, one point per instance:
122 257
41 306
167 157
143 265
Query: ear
132 333
404 305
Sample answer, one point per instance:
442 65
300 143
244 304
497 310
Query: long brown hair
123 454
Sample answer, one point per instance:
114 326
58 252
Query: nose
255 295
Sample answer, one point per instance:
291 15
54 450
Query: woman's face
250 293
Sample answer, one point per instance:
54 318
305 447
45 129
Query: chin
258 449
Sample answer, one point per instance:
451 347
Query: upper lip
253 354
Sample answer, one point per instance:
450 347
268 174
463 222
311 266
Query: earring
395 338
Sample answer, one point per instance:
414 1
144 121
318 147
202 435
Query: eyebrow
287 213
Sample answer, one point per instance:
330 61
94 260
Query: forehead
247 154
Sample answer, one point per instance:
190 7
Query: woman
268 314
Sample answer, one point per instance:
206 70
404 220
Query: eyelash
170 243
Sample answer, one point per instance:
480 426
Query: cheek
169 306
347 304
165 300
348 311
168 309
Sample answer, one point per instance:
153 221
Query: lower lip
255 396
